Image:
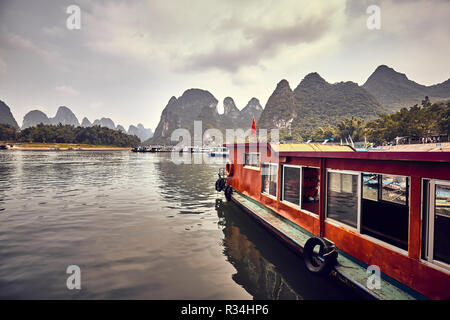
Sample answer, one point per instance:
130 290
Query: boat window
384 208
269 177
342 197
394 189
251 160
436 219
291 185
310 189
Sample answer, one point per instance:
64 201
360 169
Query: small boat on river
218 152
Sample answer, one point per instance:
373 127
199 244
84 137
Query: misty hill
181 113
121 128
316 103
86 123
105 122
252 109
6 117
139 131
198 104
64 116
235 118
33 118
394 90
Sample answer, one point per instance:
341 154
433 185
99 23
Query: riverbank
61 147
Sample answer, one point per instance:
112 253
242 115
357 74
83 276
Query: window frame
429 247
359 193
298 207
301 191
300 201
267 194
257 167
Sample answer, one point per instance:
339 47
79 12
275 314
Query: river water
138 226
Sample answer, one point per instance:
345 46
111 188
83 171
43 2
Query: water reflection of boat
256 274
267 269
195 149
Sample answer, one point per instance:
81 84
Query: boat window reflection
310 189
269 178
394 189
342 198
291 185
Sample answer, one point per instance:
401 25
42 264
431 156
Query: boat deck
346 270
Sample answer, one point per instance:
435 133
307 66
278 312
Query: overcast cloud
130 57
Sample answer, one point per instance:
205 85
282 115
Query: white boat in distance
219 152
195 149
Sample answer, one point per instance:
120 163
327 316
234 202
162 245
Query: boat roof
286 148
302 147
345 152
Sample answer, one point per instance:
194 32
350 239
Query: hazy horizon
129 58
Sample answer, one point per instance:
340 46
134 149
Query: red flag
254 127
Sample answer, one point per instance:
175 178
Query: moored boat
218 152
385 211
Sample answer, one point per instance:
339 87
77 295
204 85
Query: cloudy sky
129 57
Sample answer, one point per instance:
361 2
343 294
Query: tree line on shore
94 135
417 122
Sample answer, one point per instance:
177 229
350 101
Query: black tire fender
324 261
220 184
228 192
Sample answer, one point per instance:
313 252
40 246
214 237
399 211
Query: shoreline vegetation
425 123
67 137
60 147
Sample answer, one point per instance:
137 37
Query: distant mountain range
317 103
394 90
297 113
198 104
65 116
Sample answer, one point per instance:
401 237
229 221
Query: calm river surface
139 227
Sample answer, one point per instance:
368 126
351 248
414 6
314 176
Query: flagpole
253 130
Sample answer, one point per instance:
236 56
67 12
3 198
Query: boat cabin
389 209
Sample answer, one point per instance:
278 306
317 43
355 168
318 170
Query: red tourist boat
388 210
